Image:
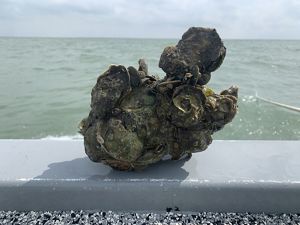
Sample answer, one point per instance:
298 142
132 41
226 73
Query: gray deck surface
230 176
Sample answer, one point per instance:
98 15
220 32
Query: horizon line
149 38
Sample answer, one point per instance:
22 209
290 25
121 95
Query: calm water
45 84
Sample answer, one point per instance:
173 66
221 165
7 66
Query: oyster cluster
137 119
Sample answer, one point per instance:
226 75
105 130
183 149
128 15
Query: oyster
136 119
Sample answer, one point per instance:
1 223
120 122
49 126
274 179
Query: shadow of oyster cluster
137 119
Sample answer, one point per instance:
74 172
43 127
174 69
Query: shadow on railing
82 168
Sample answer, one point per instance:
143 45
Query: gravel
171 216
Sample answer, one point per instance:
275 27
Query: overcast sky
276 19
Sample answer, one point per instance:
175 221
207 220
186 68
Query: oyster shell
137 119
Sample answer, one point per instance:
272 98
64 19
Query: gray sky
276 19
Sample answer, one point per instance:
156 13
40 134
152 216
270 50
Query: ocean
45 83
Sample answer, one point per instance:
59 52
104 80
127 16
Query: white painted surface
235 176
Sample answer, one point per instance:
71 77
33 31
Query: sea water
45 83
